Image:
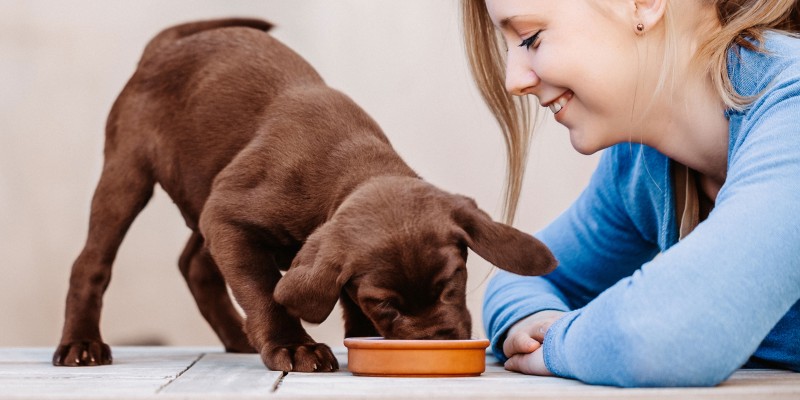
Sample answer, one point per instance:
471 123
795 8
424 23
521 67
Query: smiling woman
702 166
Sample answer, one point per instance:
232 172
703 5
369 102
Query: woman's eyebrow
505 22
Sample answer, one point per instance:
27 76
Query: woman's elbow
643 373
638 363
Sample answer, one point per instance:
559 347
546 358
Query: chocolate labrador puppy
274 170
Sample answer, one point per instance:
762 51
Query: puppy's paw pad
309 357
84 353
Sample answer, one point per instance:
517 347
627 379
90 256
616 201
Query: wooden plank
136 371
221 373
208 373
493 383
499 383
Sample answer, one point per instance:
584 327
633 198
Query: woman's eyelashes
531 41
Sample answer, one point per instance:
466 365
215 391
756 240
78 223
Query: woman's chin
587 143
584 147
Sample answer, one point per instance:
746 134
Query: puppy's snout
460 332
455 326
430 334
447 334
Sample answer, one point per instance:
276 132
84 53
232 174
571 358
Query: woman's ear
648 13
310 288
500 244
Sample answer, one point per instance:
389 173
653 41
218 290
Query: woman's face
578 58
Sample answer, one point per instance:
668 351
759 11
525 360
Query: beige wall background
62 63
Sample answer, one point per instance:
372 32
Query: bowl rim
379 343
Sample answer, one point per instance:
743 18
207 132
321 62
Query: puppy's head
398 247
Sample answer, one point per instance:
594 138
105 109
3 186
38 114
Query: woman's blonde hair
487 62
740 20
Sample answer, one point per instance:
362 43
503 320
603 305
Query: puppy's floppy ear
310 288
500 244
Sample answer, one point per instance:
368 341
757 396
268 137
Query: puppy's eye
390 315
386 305
450 296
387 310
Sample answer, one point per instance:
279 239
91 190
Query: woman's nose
520 77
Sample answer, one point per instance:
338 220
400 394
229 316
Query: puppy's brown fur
272 169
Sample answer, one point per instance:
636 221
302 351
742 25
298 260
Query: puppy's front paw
306 357
86 353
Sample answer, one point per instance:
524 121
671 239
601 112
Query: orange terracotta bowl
375 356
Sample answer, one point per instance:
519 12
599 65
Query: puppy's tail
177 32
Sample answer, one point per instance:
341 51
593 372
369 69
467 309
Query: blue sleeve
696 313
595 243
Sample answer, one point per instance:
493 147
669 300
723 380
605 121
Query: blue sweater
644 309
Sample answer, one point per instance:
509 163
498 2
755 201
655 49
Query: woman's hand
523 344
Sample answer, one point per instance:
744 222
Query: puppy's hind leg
125 187
211 295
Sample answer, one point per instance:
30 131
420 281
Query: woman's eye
530 41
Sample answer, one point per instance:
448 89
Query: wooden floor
208 373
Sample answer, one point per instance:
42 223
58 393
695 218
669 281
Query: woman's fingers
528 333
531 363
523 345
519 343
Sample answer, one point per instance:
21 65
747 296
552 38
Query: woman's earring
640 27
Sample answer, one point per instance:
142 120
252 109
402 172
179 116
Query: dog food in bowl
375 356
